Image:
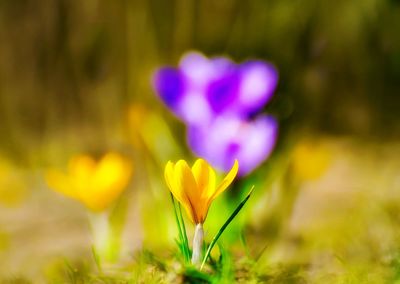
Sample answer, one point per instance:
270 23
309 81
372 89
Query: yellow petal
61 183
170 178
169 175
227 180
81 167
176 189
205 177
185 180
112 173
109 179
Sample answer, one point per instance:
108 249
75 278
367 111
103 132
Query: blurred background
75 77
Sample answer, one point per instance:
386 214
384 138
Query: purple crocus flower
216 98
230 138
202 89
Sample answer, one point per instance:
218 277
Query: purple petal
257 85
222 65
223 92
194 109
216 79
169 85
197 68
229 138
211 141
258 143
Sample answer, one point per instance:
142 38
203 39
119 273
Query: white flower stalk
197 245
101 232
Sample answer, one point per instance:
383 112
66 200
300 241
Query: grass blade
97 259
177 219
181 230
222 229
184 235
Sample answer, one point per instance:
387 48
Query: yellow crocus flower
95 183
195 188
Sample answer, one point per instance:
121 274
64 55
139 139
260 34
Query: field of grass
341 227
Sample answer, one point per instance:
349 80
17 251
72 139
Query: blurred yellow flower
311 159
95 183
195 187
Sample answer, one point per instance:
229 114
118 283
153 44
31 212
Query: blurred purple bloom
216 98
201 88
229 138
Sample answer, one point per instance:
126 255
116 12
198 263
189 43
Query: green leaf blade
224 226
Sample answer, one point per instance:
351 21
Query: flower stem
100 229
197 244
101 235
